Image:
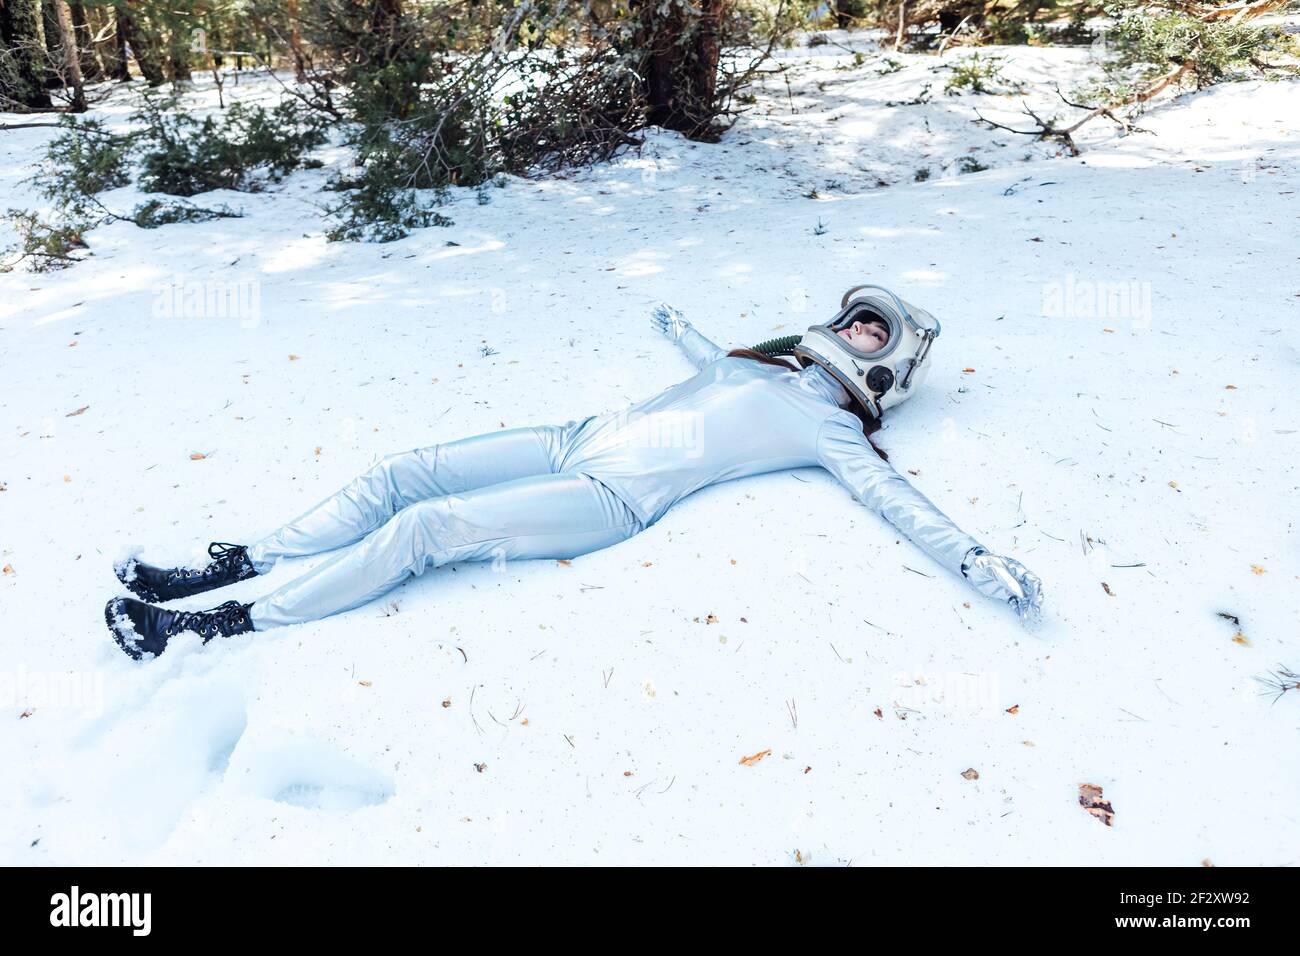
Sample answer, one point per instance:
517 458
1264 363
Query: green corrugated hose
779 346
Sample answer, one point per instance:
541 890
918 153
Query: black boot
141 628
230 564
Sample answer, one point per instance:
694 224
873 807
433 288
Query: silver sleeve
845 452
699 349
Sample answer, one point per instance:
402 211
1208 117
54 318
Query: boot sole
125 643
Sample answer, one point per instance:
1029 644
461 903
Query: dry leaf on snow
1090 799
970 773
77 412
755 758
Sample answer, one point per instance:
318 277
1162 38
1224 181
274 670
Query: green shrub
184 156
379 207
46 246
1147 44
975 74
160 212
82 161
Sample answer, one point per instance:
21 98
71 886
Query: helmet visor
866 330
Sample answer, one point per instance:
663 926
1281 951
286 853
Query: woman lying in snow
558 491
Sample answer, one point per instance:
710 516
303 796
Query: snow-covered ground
1112 402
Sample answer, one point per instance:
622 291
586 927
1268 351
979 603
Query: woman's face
869 336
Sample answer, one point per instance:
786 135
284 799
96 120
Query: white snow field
768 675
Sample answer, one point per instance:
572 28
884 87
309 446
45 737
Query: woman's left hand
669 321
1006 579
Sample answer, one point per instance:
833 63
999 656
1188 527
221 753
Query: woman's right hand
669 321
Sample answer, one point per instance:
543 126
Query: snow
529 712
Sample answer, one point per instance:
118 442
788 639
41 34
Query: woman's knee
380 486
423 531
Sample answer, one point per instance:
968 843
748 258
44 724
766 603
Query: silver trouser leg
545 516
401 480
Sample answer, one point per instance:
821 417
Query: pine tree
22 62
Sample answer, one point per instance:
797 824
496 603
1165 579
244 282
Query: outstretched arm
674 325
845 452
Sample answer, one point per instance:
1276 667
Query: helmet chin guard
881 379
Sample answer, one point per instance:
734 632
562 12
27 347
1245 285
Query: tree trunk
215 45
84 37
71 62
658 35
386 26
141 45
55 76
295 43
177 29
178 63
112 50
679 69
22 83
708 50
386 15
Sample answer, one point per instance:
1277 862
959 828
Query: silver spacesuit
558 491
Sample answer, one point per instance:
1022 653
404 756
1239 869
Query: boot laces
222 620
226 559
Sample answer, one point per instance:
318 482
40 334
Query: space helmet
880 379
